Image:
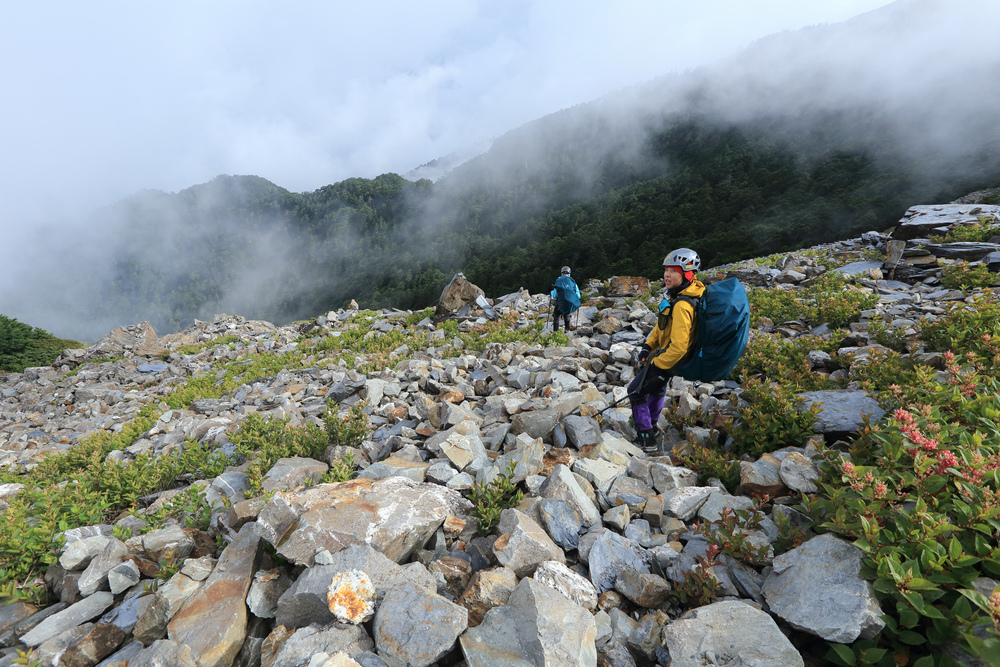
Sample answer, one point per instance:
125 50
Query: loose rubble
388 569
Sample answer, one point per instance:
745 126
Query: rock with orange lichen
351 597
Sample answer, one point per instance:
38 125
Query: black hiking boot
648 442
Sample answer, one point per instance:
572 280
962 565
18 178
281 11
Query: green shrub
968 328
699 585
265 441
708 463
980 232
967 276
919 498
347 431
784 360
490 499
830 299
769 419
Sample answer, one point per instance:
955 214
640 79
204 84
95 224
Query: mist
912 66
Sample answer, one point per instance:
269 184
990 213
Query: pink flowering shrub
920 496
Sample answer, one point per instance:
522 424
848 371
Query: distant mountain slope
806 137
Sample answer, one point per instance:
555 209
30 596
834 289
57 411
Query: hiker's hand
643 354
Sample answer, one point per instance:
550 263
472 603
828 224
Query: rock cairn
388 568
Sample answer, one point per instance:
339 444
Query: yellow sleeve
680 336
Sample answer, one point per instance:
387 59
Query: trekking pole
642 379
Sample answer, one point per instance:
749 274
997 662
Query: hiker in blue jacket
667 344
566 295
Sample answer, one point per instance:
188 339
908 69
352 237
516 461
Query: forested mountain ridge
731 191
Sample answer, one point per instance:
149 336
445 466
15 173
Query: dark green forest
568 189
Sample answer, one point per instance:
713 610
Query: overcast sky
100 99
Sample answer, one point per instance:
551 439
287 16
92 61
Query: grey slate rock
331 638
582 431
77 614
611 554
561 521
728 633
842 409
816 588
416 627
537 626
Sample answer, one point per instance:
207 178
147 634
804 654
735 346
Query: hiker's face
671 278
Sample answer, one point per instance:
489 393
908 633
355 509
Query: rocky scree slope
243 555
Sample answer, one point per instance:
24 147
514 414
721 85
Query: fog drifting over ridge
912 60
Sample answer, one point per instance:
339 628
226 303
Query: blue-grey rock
610 554
841 410
537 626
728 632
77 614
582 431
816 588
416 627
561 521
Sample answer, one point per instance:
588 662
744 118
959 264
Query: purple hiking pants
647 399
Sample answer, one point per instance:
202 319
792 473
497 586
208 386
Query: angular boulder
393 515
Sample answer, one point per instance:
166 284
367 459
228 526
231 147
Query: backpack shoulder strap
693 300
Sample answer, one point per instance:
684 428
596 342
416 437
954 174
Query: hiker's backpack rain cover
722 330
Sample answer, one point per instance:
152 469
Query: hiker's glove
643 354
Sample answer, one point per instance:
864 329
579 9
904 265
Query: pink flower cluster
908 427
858 482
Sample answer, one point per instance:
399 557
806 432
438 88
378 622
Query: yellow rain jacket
674 330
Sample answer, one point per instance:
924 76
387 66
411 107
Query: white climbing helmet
564 271
685 258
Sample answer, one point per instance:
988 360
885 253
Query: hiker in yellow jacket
671 339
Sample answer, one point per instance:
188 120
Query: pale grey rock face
799 473
527 459
816 588
537 626
169 540
667 477
85 610
123 576
164 653
561 484
582 431
289 473
332 638
78 554
393 515
561 521
712 509
267 587
416 627
684 502
733 633
523 544
598 472
574 586
95 577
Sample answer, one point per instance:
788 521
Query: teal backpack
567 294
722 329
